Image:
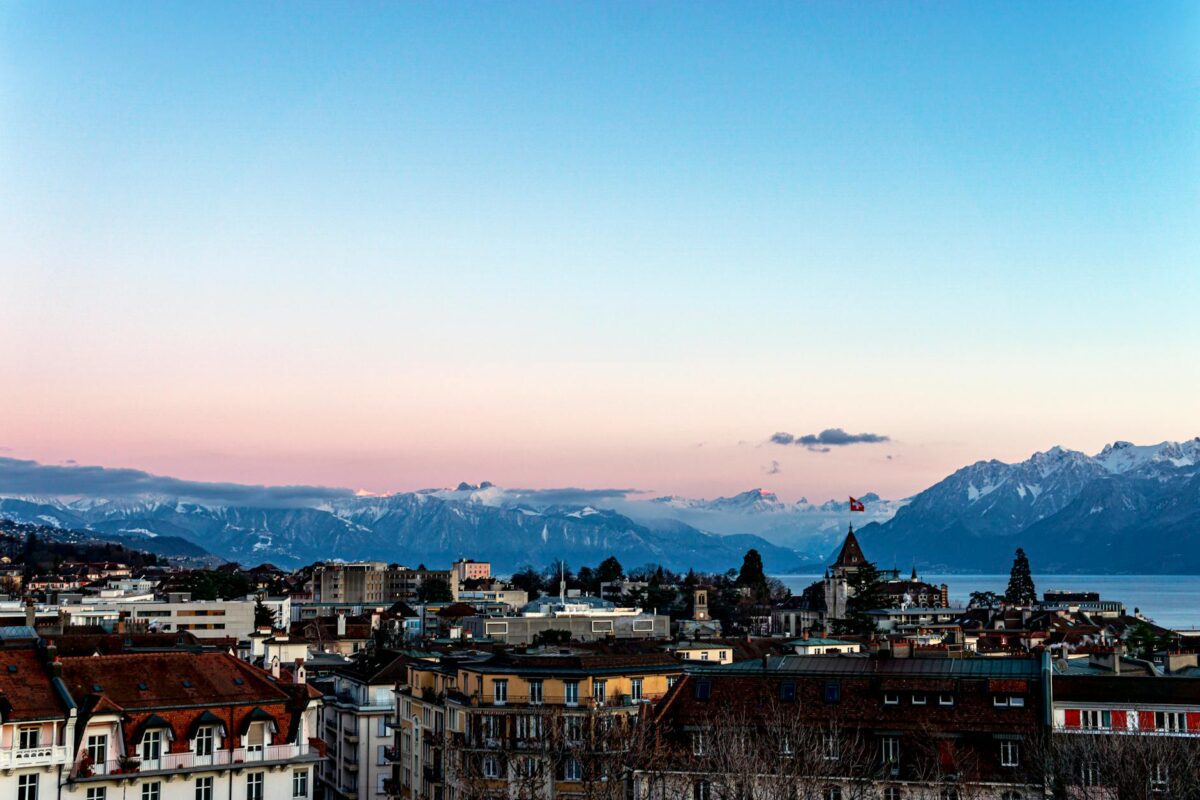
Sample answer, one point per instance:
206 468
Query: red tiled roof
27 690
171 679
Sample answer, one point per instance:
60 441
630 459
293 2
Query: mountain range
1128 508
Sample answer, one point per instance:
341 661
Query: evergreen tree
263 616
1020 582
864 593
609 570
752 576
434 590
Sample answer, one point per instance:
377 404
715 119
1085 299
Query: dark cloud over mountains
829 438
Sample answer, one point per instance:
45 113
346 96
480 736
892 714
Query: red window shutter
1072 717
946 754
1120 720
1146 720
1193 721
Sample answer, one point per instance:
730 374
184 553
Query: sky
391 246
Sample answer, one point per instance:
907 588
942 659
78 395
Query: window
256 738
30 738
499 692
833 692
672 680
1016 701
599 691
891 750
1160 779
787 691
1174 721
1010 754
97 793
152 791
831 746
999 700
917 700
703 690
571 693
704 655
97 750
699 743
1089 774
635 689
151 745
204 741
491 767
489 726
890 699
535 692
529 726
254 786
573 728
572 769
949 794
300 783
832 793
891 793
945 699
1011 796
204 788
701 790
1095 720
27 787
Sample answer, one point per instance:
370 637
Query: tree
1020 582
1144 641
529 580
434 590
752 576
983 600
609 570
263 616
552 637
864 593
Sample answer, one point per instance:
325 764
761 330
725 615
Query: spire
851 555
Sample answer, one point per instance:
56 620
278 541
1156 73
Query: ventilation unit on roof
12 667
97 688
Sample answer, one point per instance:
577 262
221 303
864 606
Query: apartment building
355 726
370 582
466 569
187 726
851 726
206 619
37 725
1128 735
551 723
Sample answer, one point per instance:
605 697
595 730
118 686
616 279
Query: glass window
204 788
945 699
27 787
29 738
891 750
491 767
152 791
500 692
1174 721
1095 720
635 689
699 743
917 700
151 745
1016 701
97 750
203 743
1010 755
891 699
572 769
97 793
600 691
831 747
536 695
571 693
701 790
254 786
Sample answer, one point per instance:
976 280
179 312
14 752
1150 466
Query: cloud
829 438
19 477
571 496
773 469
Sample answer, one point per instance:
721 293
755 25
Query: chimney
341 624
301 674
766 661
30 613
275 667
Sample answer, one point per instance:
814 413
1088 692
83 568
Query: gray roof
1016 667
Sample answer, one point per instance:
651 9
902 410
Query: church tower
850 559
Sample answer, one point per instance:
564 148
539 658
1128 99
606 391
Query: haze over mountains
1128 508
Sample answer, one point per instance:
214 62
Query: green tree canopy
434 590
1020 590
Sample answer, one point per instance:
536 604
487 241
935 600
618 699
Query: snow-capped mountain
1128 508
409 527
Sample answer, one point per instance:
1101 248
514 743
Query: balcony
175 762
433 774
392 754
16 758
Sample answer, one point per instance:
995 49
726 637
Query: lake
1172 601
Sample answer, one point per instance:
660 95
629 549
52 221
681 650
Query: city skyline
394 247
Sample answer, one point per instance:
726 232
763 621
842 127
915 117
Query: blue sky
389 245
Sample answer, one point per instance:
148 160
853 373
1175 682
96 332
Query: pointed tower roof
851 555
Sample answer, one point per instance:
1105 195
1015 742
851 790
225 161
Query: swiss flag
856 505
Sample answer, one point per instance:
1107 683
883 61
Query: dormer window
205 741
29 737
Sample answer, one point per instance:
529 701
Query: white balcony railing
15 758
190 760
